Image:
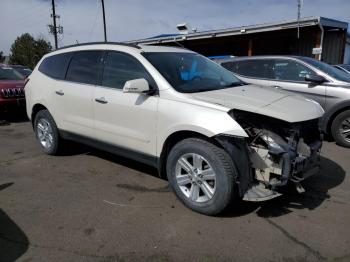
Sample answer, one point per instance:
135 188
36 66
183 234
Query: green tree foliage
28 51
2 57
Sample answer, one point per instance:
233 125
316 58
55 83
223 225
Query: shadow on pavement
74 148
13 241
18 116
330 176
125 162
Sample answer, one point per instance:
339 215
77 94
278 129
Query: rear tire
341 129
46 132
202 175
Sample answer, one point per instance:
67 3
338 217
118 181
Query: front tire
46 132
202 175
341 129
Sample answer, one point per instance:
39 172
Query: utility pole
54 29
54 23
300 3
104 19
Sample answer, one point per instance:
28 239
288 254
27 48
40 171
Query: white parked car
214 137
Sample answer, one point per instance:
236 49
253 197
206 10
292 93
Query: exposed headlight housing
273 146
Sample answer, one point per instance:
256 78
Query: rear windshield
328 69
8 73
346 67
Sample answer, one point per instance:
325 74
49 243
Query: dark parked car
323 83
11 88
25 71
344 68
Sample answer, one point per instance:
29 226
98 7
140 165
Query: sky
137 19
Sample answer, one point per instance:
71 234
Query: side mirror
317 79
136 86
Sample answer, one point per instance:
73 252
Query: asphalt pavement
88 205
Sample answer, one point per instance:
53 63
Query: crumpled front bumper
308 165
274 168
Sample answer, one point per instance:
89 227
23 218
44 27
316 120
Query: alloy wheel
345 129
195 177
44 133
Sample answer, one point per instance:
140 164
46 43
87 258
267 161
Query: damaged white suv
213 136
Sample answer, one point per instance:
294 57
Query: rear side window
120 68
290 70
260 68
84 67
55 66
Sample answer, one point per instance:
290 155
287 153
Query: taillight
26 81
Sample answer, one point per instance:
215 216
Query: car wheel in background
341 129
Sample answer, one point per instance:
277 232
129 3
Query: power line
94 23
30 14
33 15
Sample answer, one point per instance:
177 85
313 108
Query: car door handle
59 92
277 87
101 100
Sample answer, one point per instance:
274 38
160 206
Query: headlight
273 146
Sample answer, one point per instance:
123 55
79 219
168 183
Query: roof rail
100 43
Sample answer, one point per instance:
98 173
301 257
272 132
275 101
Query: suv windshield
326 68
191 72
7 73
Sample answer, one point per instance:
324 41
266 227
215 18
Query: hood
264 101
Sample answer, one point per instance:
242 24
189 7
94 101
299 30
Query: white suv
213 136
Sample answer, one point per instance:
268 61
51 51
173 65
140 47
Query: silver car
344 67
314 79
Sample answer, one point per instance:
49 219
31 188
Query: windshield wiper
214 88
236 84
197 90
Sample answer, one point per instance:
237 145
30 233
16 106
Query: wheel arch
36 108
172 140
332 114
231 144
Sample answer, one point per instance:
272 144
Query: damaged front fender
238 150
274 153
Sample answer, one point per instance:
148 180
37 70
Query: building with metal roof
323 38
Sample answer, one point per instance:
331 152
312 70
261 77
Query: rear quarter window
55 66
232 66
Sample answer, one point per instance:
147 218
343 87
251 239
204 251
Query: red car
11 88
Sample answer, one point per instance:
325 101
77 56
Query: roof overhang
304 22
